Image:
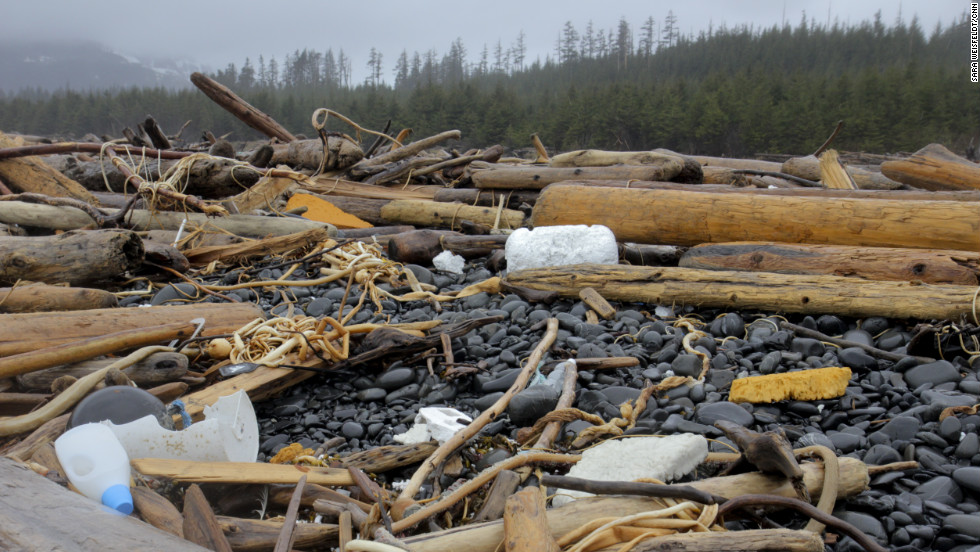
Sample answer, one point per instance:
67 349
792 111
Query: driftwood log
536 178
934 168
76 258
37 514
309 154
33 331
448 215
897 195
211 177
238 107
694 217
870 263
44 298
420 246
156 369
754 290
809 168
30 174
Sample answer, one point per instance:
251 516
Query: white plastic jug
97 465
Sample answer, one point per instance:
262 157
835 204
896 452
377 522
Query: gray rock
730 325
879 455
592 350
476 301
770 362
874 325
618 394
814 439
422 274
936 373
831 325
503 381
950 428
856 358
859 336
530 404
319 307
901 428
867 524
967 524
808 347
845 442
708 414
371 394
352 430
686 365
968 477
410 392
721 379
182 292
941 489
395 378
486 401
968 447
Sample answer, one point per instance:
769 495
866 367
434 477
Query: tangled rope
268 342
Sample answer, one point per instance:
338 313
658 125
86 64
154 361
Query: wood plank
239 472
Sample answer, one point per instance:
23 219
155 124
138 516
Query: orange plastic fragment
322 210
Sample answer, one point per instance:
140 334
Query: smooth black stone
729 325
395 378
893 339
844 442
486 401
968 477
422 274
967 524
901 428
590 400
408 392
874 325
532 403
503 381
831 325
859 336
879 455
271 443
708 414
950 429
857 359
721 379
686 365
319 307
352 430
936 373
618 394
181 292
371 394
932 461
808 347
867 524
812 439
803 408
941 489
833 419
770 362
968 447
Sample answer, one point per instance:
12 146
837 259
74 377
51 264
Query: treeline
726 91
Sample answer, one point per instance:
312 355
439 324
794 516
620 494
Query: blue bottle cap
118 498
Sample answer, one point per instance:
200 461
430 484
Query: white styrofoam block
433 422
663 458
448 261
560 246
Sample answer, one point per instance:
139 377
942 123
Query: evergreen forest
642 85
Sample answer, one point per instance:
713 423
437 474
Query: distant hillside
81 65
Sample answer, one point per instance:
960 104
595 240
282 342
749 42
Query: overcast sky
216 33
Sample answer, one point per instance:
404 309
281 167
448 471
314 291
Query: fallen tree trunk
447 215
32 331
66 218
30 174
686 169
338 187
37 514
536 178
241 109
156 369
486 197
934 168
77 258
365 167
309 154
209 177
239 252
809 168
420 246
898 195
485 537
754 290
870 263
694 217
42 298
254 535
749 164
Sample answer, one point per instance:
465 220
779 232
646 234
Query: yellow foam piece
805 385
322 210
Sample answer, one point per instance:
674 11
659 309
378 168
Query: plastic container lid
119 404
119 498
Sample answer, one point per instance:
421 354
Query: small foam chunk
804 385
560 246
448 261
663 458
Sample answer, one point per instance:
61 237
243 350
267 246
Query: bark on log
870 263
158 511
30 332
42 298
65 218
308 154
486 197
809 168
239 472
525 525
366 209
420 246
751 540
694 217
254 535
485 537
77 258
156 369
30 174
241 252
536 178
339 187
364 166
934 168
213 177
750 164
264 194
447 215
906 195
755 290
650 255
241 109
39 515
200 524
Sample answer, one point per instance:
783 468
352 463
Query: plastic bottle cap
118 498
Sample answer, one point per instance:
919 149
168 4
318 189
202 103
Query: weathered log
30 174
906 195
156 134
77 258
688 169
448 215
366 209
241 109
338 187
43 298
485 537
363 167
254 535
809 168
65 218
33 331
388 457
486 197
694 217
37 515
870 263
755 290
309 154
238 472
156 369
240 252
750 164
650 255
264 194
16 404
525 525
211 177
200 524
934 168
420 246
536 178
751 540
489 155
503 486
158 511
